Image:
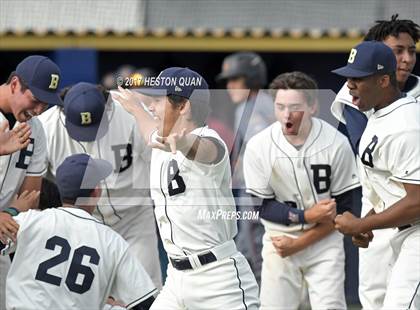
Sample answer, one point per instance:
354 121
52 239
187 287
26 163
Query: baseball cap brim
88 133
153 91
96 171
51 98
351 72
226 75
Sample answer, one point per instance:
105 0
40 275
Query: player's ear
185 108
14 84
384 81
314 108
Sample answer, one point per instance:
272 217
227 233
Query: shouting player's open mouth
356 100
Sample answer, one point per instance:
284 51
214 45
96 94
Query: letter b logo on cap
54 81
86 118
352 55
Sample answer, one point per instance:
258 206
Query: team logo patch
352 55
54 81
85 118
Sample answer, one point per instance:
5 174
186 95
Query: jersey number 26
75 269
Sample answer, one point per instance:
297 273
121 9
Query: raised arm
131 102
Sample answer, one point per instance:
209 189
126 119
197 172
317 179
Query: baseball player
389 159
190 175
91 124
296 166
79 262
245 73
26 93
401 36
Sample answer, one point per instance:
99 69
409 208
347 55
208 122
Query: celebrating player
190 175
297 165
92 262
26 93
91 124
401 36
389 159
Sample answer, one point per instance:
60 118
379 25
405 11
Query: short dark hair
23 85
384 28
296 80
50 196
199 111
100 87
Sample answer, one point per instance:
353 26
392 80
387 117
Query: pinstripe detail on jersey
81 217
166 210
37 172
414 295
291 162
396 108
140 299
345 189
405 179
166 204
259 194
240 283
5 175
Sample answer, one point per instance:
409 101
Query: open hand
15 139
172 143
26 200
128 99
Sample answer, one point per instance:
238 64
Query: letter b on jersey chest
123 154
322 178
367 155
25 155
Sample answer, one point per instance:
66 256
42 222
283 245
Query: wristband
296 216
12 211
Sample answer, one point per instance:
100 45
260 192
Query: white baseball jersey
66 259
344 98
183 190
322 167
122 146
389 151
27 162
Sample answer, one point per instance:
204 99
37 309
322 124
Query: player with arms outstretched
190 173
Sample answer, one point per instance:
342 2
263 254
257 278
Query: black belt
184 263
401 228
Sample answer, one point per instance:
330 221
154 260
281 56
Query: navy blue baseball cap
79 174
42 76
368 58
84 106
182 82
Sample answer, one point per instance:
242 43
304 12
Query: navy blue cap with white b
368 58
84 106
79 174
182 82
42 76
